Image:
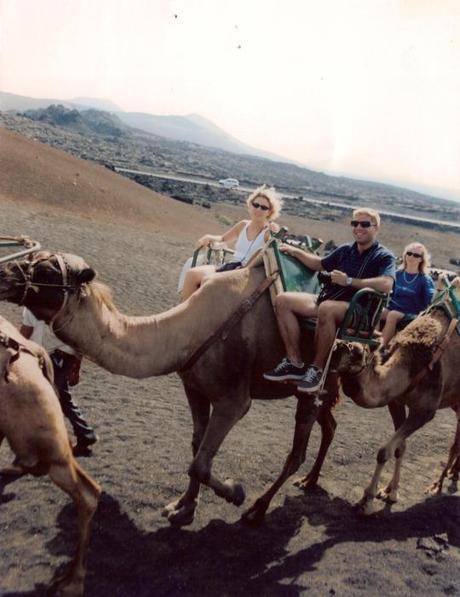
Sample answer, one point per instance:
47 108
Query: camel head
43 281
349 357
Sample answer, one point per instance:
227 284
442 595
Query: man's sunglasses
259 206
411 254
363 224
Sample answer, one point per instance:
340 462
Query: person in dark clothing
66 365
364 263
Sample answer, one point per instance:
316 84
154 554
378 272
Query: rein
15 348
223 331
368 359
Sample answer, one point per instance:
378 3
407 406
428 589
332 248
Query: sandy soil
310 542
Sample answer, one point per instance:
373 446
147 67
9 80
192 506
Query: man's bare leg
330 315
289 306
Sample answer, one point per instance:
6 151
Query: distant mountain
10 101
96 103
192 127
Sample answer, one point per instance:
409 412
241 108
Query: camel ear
85 275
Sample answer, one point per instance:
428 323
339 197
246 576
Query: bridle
29 284
368 358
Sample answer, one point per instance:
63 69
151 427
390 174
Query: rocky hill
99 136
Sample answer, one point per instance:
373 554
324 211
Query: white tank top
244 248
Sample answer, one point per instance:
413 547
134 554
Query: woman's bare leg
194 278
389 329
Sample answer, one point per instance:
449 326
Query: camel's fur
32 422
219 386
373 381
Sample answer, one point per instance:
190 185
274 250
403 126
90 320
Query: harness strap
65 287
223 331
441 347
15 348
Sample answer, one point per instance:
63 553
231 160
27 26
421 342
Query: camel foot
67 583
255 515
236 495
366 506
180 513
306 483
388 495
434 489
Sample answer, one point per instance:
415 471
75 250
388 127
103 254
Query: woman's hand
205 241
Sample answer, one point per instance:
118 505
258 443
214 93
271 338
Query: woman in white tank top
250 235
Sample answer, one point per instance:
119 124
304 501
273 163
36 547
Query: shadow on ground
231 559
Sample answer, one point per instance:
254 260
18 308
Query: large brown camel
409 376
32 422
219 385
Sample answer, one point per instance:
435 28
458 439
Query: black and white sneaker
311 381
285 371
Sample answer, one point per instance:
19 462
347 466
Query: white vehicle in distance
229 183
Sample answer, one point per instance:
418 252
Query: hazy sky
368 88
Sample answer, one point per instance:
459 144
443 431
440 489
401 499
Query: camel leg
225 415
455 470
306 416
390 493
452 466
85 492
181 512
328 426
414 421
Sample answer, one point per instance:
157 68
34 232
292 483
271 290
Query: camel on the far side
32 422
411 377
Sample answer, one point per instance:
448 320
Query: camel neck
154 345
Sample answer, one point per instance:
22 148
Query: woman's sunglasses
259 206
411 254
363 224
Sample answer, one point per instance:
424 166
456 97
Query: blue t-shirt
374 262
412 293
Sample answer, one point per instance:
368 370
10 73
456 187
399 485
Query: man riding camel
365 263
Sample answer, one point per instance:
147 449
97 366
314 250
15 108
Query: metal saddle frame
23 244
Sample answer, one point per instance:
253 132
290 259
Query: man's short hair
368 211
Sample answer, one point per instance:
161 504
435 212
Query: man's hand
288 249
311 261
339 278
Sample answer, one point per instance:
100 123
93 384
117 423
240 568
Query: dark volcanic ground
310 542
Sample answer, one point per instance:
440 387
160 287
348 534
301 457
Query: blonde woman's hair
275 201
368 211
424 263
